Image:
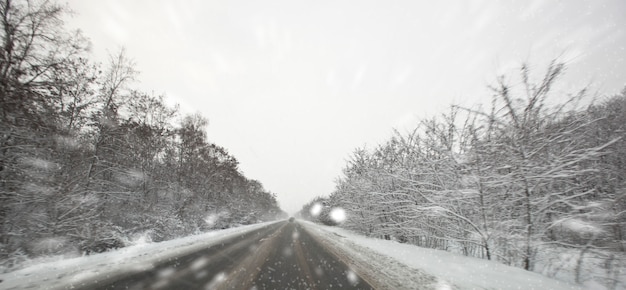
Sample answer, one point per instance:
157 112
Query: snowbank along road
278 256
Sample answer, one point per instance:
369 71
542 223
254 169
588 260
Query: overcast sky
290 88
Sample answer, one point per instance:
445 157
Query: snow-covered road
68 273
272 255
279 255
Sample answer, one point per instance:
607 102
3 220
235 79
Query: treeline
86 162
532 173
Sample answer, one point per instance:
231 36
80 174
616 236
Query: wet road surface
279 256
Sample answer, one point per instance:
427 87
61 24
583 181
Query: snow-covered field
452 271
63 274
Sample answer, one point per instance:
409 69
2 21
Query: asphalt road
280 256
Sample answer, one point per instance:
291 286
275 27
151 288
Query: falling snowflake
352 278
316 209
287 252
211 219
216 281
199 263
338 215
319 271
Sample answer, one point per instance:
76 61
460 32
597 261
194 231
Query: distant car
292 219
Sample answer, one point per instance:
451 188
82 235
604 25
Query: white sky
290 88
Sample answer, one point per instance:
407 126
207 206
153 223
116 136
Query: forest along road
279 256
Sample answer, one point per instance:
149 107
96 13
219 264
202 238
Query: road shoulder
378 270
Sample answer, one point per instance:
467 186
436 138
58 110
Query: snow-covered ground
63 274
452 271
395 265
